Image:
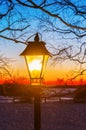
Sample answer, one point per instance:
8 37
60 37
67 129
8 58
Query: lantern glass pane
36 65
45 59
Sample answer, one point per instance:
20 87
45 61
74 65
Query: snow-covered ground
55 116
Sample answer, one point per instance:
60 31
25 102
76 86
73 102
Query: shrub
80 95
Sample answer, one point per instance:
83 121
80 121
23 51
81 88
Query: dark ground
55 116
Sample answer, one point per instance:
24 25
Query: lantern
36 57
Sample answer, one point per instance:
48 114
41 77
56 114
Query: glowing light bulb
35 65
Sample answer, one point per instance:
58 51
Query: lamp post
36 57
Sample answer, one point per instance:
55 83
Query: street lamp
36 57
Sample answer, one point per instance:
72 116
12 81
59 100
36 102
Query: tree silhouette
5 68
72 15
66 18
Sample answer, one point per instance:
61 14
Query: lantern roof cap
35 47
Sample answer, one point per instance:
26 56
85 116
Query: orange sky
53 74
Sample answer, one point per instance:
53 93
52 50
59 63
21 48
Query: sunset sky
55 70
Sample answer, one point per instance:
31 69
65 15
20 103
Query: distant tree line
16 90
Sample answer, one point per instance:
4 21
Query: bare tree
5 68
71 14
66 18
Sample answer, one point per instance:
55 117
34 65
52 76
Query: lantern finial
36 39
